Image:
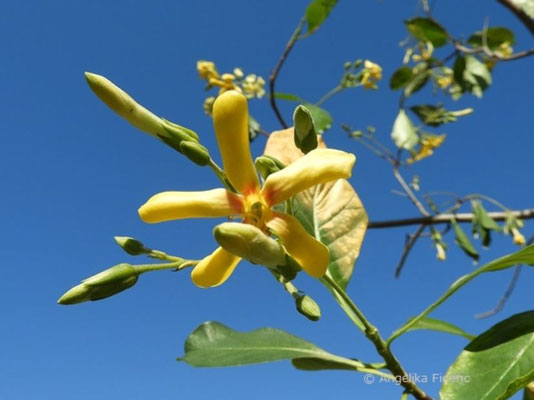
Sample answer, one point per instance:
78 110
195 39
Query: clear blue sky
73 175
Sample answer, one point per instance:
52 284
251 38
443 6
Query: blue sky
74 174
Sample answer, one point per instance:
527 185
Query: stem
409 192
371 332
222 176
272 78
142 268
447 218
407 248
331 93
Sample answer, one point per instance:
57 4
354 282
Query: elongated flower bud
266 165
104 284
249 242
131 246
124 105
195 152
308 307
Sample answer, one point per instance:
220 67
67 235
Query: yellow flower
225 82
505 50
444 81
253 86
518 237
426 51
208 105
440 252
371 73
206 70
427 145
253 203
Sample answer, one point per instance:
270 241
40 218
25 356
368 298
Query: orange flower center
256 210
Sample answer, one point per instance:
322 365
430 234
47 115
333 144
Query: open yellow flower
253 203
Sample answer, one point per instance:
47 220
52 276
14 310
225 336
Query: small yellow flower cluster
427 145
371 74
425 49
251 86
505 50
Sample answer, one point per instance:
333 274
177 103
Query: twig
272 78
523 17
411 239
409 192
486 51
447 218
509 290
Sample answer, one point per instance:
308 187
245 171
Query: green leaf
427 30
527 6
432 324
317 12
418 81
471 75
483 223
400 77
463 241
318 364
213 344
404 133
322 119
288 97
494 36
433 115
496 364
331 212
304 133
254 128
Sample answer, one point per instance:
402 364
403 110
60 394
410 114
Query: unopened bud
124 105
289 269
308 307
131 246
266 165
518 237
249 242
104 284
195 152
180 131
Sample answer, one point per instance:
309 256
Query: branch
411 239
477 50
447 218
272 78
409 192
523 17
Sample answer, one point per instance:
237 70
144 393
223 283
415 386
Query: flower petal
312 255
230 119
214 269
167 206
318 166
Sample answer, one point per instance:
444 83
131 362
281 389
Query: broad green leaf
403 133
317 12
494 36
322 119
213 344
425 29
288 97
418 81
331 212
527 6
305 136
471 75
497 363
400 77
432 324
463 241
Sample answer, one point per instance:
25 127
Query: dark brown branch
523 17
447 218
411 239
272 78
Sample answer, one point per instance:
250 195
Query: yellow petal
312 255
230 118
214 269
167 206
318 166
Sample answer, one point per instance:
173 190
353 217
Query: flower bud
124 105
104 284
195 152
308 307
131 246
266 165
249 242
518 237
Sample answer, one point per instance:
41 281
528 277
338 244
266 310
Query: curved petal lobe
167 206
230 119
312 255
214 269
318 166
